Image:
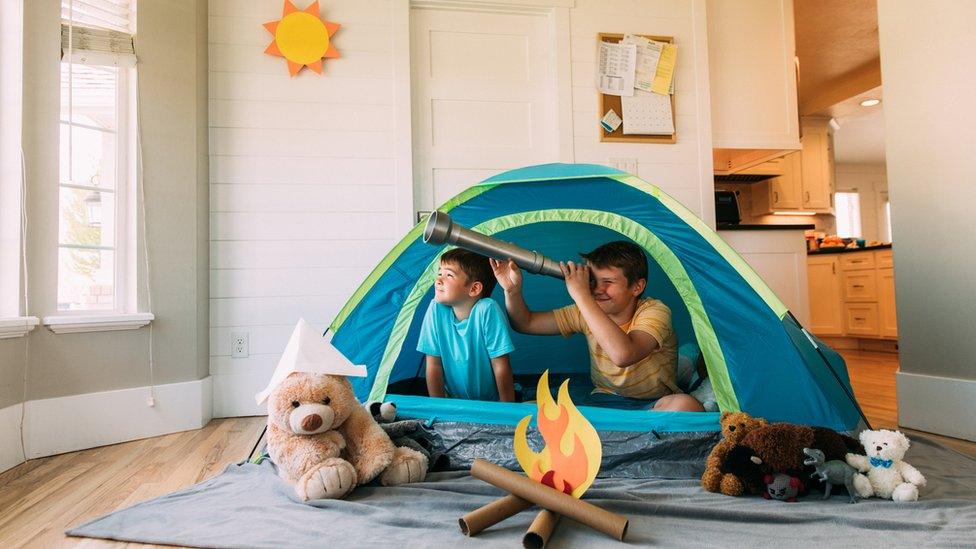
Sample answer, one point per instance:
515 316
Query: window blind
97 32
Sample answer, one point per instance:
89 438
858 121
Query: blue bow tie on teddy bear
878 462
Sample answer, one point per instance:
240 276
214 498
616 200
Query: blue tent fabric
775 370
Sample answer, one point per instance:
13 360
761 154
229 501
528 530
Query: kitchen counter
761 227
849 250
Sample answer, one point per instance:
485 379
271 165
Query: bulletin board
608 102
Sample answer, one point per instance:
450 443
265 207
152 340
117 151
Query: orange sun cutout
302 38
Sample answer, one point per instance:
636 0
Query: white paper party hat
307 351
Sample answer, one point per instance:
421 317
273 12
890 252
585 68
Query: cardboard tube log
609 523
441 230
537 536
491 514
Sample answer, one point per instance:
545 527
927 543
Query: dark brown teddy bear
735 426
780 447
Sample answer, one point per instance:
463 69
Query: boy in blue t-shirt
465 334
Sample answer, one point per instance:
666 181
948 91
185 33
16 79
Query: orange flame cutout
570 459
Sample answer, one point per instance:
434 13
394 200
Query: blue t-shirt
466 347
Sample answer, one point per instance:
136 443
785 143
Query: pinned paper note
309 351
648 55
664 77
611 121
615 69
570 459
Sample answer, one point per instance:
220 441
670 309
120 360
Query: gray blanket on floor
249 506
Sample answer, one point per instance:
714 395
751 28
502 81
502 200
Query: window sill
72 324
17 326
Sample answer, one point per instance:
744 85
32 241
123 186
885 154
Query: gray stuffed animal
406 432
831 473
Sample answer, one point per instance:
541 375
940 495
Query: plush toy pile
777 459
325 443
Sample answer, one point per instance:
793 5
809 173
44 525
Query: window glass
848 214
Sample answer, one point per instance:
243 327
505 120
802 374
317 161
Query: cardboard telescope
441 230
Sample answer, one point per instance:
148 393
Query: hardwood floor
41 498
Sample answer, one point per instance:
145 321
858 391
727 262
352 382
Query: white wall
930 123
304 170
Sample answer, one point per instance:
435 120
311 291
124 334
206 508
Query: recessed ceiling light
870 102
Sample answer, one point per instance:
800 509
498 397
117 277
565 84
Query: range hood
747 166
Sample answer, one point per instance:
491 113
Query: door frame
557 13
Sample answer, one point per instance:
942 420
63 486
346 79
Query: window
848 213
96 259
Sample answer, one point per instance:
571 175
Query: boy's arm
523 320
435 377
503 378
623 348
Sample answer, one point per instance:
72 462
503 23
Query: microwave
726 208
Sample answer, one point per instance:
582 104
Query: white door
484 98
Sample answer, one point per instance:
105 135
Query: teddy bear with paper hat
319 436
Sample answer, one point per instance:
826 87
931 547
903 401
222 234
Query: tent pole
831 369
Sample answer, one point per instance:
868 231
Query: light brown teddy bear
325 443
735 426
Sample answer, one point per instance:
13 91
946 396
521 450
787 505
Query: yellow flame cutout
570 459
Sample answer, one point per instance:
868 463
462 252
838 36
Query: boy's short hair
474 265
626 256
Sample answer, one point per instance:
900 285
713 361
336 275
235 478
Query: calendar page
647 113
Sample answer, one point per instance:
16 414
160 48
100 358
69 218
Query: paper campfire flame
570 459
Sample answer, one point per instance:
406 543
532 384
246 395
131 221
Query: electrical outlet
238 345
628 165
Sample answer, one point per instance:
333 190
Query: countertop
848 250
761 227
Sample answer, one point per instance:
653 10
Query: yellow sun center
302 38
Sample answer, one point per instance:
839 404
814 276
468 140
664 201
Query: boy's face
453 286
610 289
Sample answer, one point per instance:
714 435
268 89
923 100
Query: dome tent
760 360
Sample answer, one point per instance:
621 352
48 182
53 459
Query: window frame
125 295
859 233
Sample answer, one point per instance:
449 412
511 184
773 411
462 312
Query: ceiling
837 47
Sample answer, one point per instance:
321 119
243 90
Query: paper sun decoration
302 38
570 459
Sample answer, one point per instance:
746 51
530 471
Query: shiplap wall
303 170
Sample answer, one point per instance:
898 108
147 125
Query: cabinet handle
833 268
858 318
806 195
858 285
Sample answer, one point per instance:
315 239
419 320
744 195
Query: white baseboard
10 450
66 424
940 405
233 393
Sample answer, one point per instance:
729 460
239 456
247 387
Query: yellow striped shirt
653 376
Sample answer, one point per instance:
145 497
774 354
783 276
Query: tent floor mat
248 505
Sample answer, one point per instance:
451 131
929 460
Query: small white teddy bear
887 475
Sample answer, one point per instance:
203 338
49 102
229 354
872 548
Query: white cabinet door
752 74
483 87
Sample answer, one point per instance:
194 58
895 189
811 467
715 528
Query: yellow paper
665 70
570 459
302 38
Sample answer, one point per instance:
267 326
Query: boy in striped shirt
633 348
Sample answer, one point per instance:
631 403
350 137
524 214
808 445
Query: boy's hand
577 280
508 274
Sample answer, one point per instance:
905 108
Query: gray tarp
249 506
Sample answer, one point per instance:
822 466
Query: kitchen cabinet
886 303
826 311
817 170
852 294
807 183
752 75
